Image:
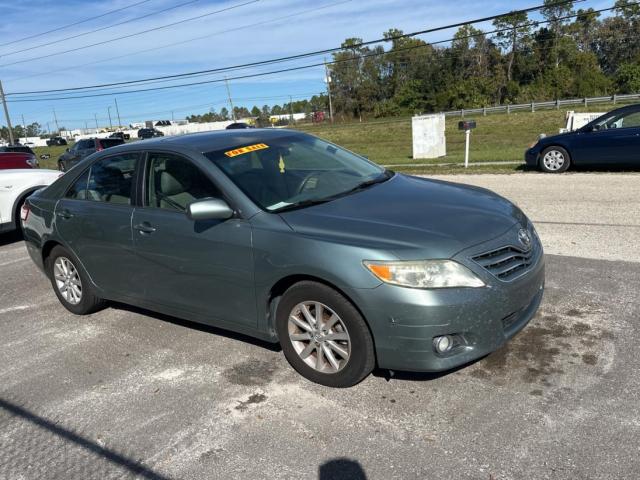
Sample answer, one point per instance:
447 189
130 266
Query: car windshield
295 171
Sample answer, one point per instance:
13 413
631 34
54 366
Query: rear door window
111 179
78 191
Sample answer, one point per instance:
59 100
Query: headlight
425 274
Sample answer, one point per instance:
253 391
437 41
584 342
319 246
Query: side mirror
209 209
66 150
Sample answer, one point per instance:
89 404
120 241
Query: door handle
65 214
144 227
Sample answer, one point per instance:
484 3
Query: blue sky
216 40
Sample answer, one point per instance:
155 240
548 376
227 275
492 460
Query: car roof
214 140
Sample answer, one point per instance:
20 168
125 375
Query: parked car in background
56 142
17 148
237 125
610 140
15 187
149 133
83 148
120 135
283 236
13 160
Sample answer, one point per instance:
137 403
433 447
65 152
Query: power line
290 69
299 56
57 29
97 29
83 47
193 39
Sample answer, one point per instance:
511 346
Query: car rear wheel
70 284
554 160
323 336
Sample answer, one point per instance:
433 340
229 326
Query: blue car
610 140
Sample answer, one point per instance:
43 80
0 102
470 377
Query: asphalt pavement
127 393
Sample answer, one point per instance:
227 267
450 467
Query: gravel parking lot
129 393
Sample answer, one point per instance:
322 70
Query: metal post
24 129
55 118
96 119
109 113
328 79
533 107
6 113
467 135
233 113
118 112
290 109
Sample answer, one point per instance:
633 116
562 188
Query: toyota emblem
525 238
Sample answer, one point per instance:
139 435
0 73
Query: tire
87 302
554 160
345 331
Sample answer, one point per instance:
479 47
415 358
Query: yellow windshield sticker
247 149
281 164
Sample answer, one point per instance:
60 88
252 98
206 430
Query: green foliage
628 78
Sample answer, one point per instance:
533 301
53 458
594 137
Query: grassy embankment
498 138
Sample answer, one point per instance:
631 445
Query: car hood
410 217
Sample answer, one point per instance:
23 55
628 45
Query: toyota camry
283 236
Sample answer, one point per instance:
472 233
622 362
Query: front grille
506 263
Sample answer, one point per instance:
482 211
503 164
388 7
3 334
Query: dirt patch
251 373
543 351
253 399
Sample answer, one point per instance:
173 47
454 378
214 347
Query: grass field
497 138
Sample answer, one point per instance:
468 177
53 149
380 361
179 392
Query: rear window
16 149
110 142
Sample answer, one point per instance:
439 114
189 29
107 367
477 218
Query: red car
11 160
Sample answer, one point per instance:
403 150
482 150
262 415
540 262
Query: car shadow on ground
10 238
274 347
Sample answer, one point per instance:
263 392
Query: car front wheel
554 160
70 284
323 336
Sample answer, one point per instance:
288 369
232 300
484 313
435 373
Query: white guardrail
533 106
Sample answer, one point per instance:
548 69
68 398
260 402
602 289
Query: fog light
443 344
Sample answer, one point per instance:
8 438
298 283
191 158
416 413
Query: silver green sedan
291 239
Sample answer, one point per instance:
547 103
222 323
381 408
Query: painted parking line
15 260
17 308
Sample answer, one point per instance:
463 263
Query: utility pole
328 80
24 129
56 120
96 119
233 113
6 114
86 126
48 129
290 110
118 112
109 112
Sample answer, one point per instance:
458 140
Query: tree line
568 54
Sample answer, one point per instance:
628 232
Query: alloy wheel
319 337
67 280
553 160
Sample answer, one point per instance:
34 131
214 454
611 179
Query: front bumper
531 157
404 321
